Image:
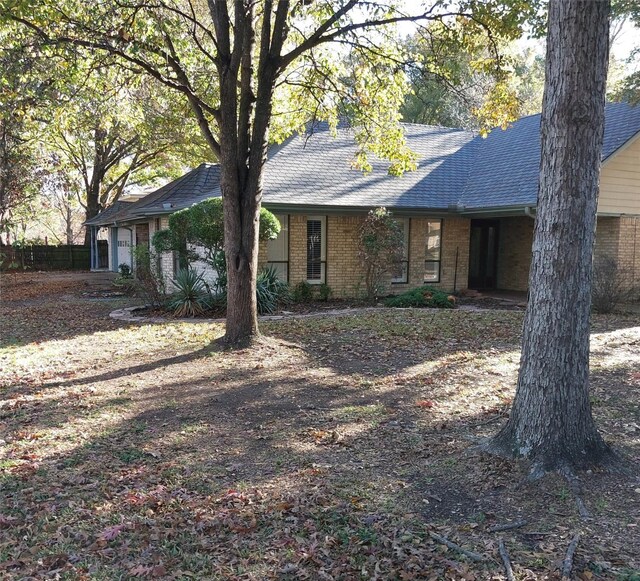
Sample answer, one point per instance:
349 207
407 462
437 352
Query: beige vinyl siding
620 181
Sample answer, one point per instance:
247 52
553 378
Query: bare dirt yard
338 450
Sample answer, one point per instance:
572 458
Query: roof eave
322 209
498 211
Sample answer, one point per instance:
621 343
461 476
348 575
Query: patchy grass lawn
331 453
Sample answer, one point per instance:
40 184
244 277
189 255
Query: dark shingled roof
505 172
456 168
316 170
194 186
111 214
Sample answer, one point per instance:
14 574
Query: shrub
381 249
203 225
424 296
302 292
611 285
191 297
150 283
324 292
270 291
124 270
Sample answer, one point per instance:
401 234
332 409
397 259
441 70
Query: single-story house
467 211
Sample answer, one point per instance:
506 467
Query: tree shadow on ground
334 448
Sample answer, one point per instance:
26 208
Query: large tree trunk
551 422
241 248
244 136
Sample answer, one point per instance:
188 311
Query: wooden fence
64 257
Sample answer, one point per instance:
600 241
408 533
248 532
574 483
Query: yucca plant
270 291
191 297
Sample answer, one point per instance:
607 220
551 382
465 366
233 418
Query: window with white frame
316 249
433 249
278 249
400 272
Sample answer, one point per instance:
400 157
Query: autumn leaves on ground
332 452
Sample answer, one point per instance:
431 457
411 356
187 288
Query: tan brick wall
514 253
615 237
344 271
262 255
619 238
455 240
629 249
607 237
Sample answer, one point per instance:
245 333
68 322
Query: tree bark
551 422
244 128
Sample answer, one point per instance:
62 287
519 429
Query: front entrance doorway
483 254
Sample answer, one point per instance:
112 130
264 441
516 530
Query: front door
483 254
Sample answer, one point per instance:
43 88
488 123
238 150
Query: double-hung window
316 249
278 249
400 272
433 250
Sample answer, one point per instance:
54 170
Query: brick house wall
514 253
618 238
344 273
166 258
629 249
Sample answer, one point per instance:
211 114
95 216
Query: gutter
341 210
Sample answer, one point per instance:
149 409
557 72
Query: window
432 251
278 249
400 272
316 249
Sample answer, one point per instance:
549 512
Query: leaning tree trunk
551 422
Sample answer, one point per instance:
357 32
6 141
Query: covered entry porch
500 253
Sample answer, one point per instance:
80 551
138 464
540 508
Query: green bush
380 249
324 292
424 296
124 270
191 297
202 224
611 286
302 292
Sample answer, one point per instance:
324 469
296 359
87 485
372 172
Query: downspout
529 212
